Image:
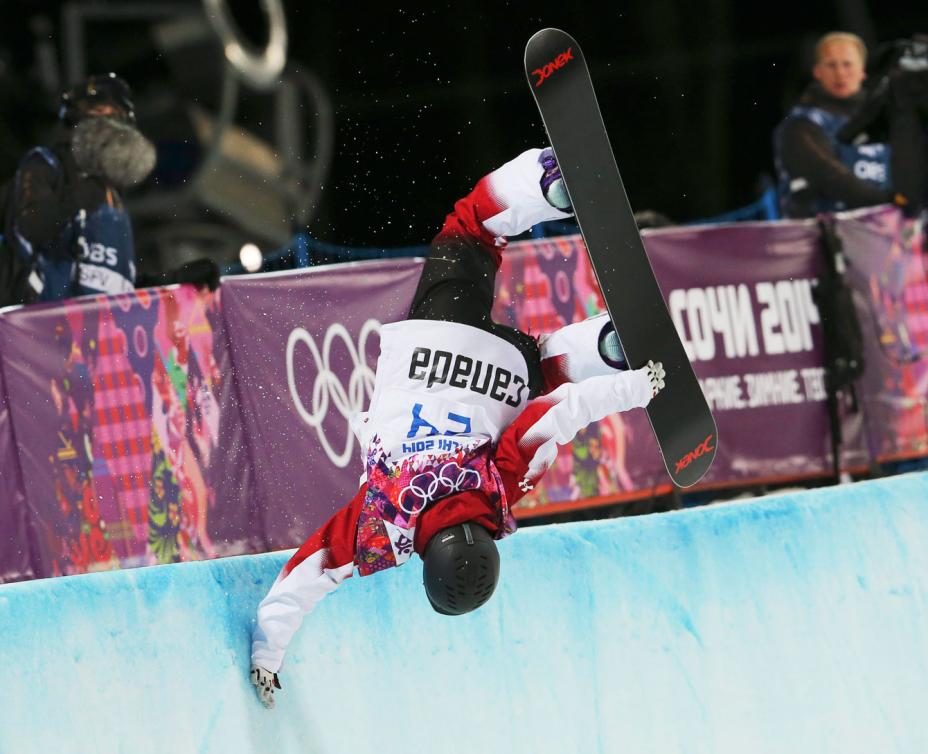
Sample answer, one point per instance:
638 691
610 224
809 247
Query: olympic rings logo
328 388
428 486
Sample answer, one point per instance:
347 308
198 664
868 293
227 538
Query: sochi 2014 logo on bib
429 486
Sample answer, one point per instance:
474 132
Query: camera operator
65 224
816 171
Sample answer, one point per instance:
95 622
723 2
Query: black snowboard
680 416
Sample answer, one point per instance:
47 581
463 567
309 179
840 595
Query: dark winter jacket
72 227
818 173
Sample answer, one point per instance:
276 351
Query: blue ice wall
792 624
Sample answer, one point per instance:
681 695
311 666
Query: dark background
428 100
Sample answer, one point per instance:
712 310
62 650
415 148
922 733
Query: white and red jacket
450 434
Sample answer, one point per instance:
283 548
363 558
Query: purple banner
235 525
113 406
304 348
168 425
15 553
741 298
887 270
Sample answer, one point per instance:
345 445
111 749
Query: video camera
895 112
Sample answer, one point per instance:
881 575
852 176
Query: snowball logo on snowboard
559 62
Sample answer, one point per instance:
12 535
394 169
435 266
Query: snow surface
792 624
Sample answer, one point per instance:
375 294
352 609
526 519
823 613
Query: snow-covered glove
264 682
656 375
552 184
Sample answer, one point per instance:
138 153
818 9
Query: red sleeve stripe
336 536
515 451
469 214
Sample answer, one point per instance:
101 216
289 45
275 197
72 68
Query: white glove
264 682
656 375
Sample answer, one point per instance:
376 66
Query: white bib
441 387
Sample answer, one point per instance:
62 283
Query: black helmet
105 89
460 568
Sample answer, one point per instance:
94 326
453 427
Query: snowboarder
465 417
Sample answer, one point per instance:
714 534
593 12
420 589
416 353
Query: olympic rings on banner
328 387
